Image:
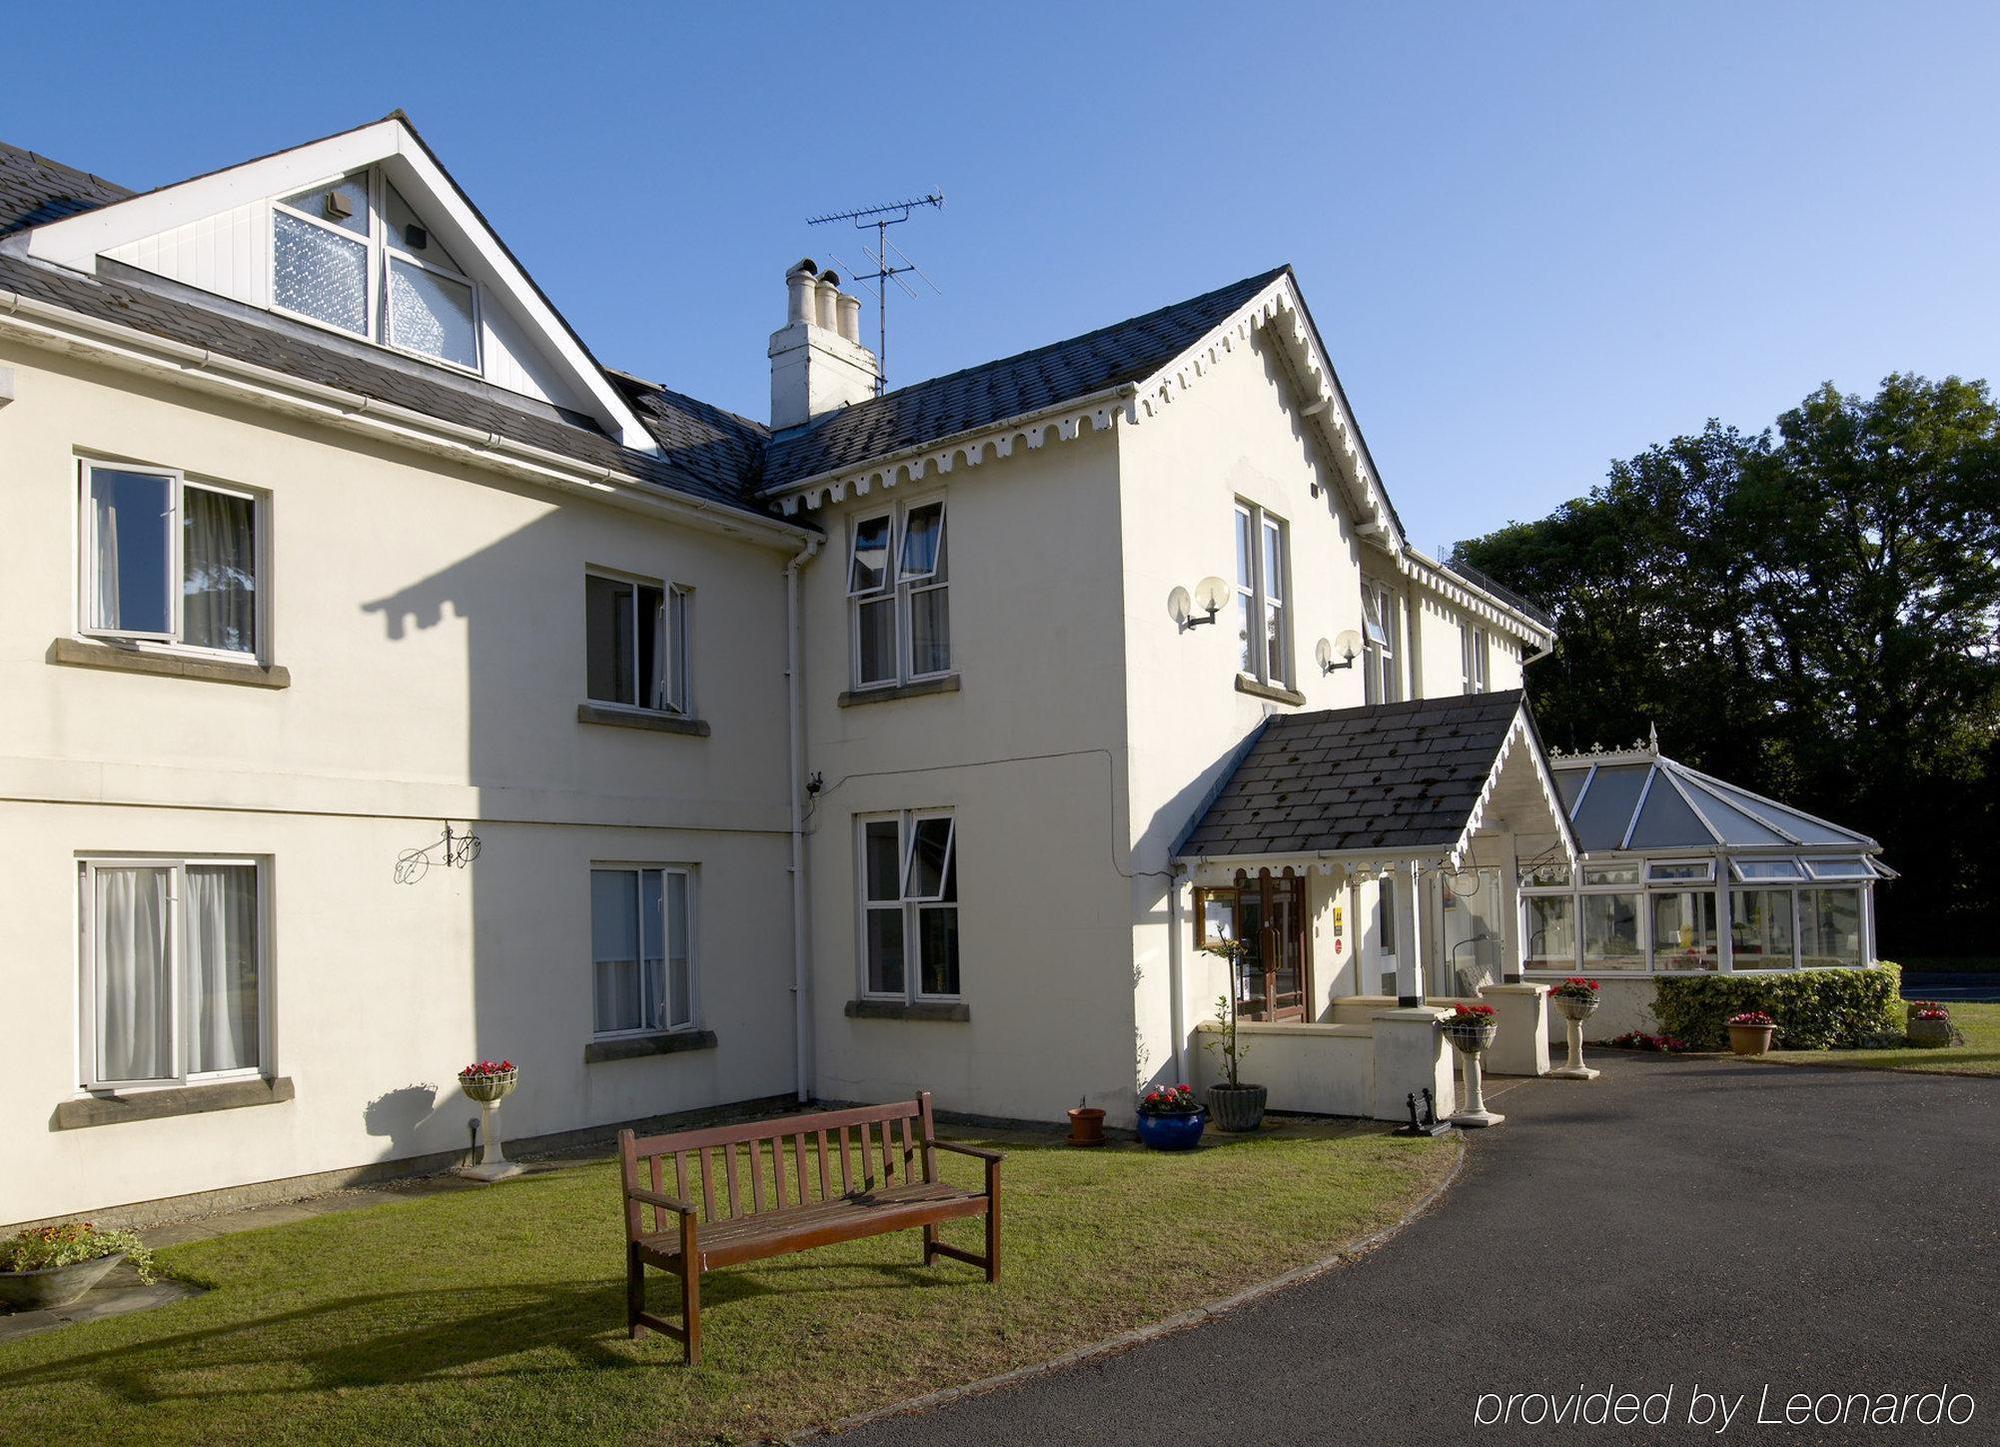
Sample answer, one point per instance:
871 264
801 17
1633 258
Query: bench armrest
654 1198
990 1157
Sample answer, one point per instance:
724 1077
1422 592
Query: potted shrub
54 1265
1236 1106
489 1082
1576 1001
1086 1125
1930 1024
1750 1032
1170 1119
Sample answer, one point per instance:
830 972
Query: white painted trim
76 242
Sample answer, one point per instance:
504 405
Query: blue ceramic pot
1172 1132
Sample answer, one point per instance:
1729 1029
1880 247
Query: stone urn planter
1470 1030
53 1285
1576 1001
1750 1033
1237 1108
1931 1027
489 1083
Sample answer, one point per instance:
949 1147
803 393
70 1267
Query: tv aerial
886 256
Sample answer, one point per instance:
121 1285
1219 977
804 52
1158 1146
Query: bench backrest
786 1163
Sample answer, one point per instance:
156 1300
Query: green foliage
1811 611
41 1247
1814 1009
1228 1040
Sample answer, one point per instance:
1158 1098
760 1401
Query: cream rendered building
838 758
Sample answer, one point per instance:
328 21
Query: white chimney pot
818 364
800 292
850 317
829 292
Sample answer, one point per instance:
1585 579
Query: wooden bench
772 1187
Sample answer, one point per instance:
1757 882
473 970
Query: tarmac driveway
1704 1229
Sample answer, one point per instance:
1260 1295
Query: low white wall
1318 1069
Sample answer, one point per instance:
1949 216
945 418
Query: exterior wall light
1346 646
1208 597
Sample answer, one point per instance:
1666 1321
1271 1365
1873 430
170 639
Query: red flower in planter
1752 1017
1471 1015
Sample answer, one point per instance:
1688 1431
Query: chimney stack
817 361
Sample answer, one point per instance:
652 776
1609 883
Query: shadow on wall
399 1114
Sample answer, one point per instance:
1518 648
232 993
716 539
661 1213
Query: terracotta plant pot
54 1285
1751 1039
1237 1107
1086 1126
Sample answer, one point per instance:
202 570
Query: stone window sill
907 1010
116 1109
946 684
637 718
1249 685
76 653
634 1047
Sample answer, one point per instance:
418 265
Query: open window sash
923 544
868 559
1371 618
931 842
116 973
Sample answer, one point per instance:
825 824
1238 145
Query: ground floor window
1612 943
1684 930
1551 936
1269 910
642 949
1829 927
909 906
173 970
1760 929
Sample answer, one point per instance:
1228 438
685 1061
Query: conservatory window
1760 929
897 579
1611 941
1262 594
1839 869
352 255
1684 930
642 957
1829 927
169 561
1749 870
173 970
1607 874
1676 870
1380 628
1551 943
909 906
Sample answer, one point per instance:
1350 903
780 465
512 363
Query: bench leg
691 1314
930 1244
993 1241
635 1290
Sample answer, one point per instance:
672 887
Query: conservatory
1684 872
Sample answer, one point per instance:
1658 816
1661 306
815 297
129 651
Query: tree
1811 610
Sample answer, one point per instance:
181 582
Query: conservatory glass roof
1636 800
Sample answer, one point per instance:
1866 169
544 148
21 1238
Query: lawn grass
1979 1055
497 1315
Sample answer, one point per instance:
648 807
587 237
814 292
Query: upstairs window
909 907
897 582
353 255
1472 657
1263 591
1381 631
636 643
168 561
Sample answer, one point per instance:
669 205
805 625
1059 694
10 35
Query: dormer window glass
353 255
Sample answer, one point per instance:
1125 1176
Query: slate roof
1398 776
34 190
980 396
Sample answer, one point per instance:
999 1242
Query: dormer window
353 255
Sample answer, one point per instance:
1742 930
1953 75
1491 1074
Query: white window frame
1472 651
1381 648
677 618
693 877
1263 597
899 590
178 484
380 251
179 1012
911 906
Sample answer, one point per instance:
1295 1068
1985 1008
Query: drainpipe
795 717
1176 985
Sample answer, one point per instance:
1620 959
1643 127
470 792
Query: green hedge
1815 1009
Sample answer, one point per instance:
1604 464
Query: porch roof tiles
1396 776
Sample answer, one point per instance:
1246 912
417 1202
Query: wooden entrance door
1275 982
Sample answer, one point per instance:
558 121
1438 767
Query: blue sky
1535 237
